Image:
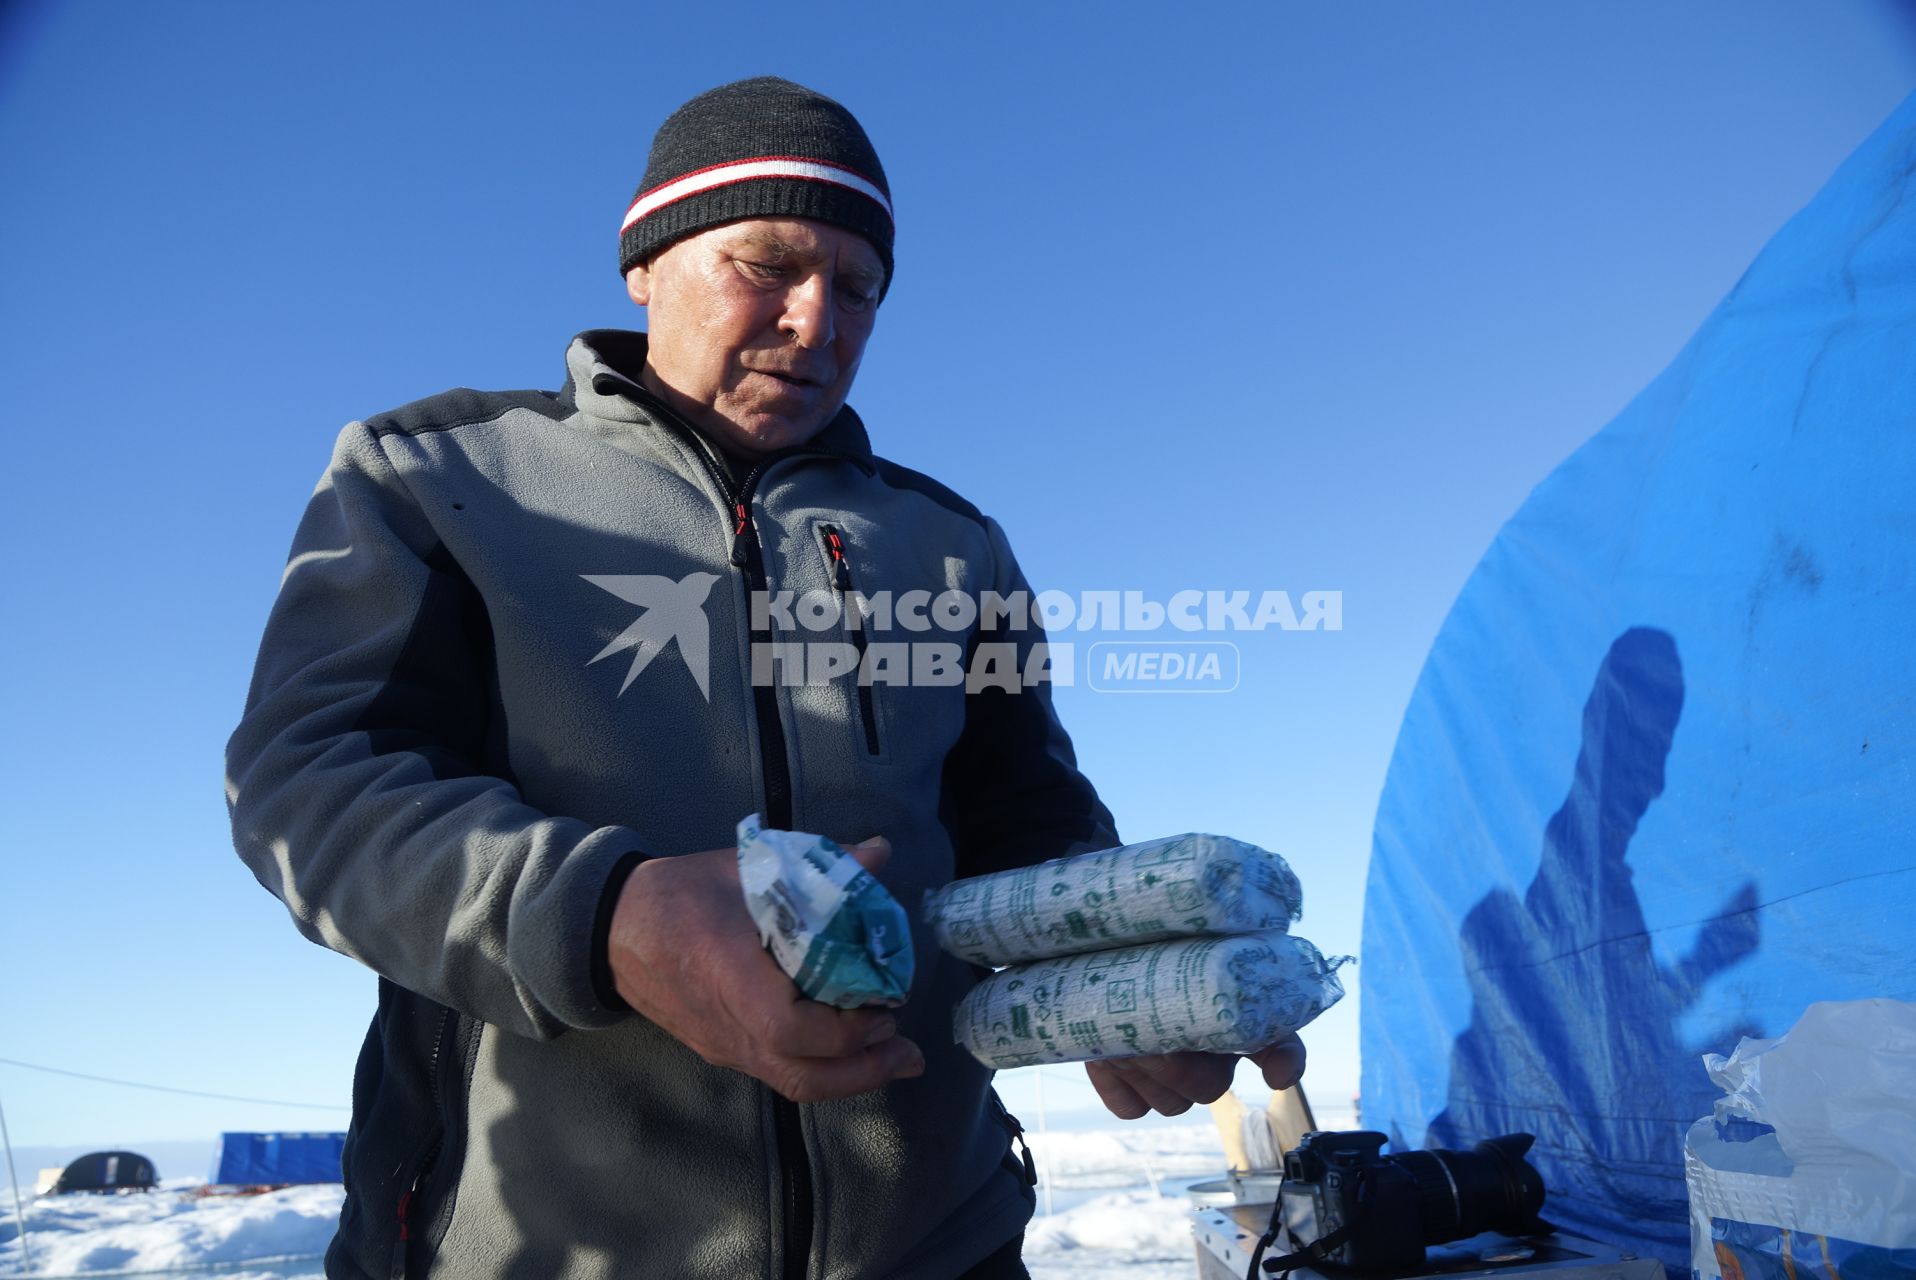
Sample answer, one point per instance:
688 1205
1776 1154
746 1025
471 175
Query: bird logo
670 609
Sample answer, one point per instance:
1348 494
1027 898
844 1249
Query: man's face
756 327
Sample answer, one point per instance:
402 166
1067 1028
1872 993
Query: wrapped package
831 926
1214 994
1808 1166
1175 887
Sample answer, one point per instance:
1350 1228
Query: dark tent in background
276 1159
1656 787
104 1172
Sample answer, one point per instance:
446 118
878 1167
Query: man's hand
1169 1083
685 953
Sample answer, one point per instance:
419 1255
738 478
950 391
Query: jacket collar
602 378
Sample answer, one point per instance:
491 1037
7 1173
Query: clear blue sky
1277 295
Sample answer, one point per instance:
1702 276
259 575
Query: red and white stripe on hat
733 171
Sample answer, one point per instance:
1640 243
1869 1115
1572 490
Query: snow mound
169 1229
1119 1192
1113 1158
1135 1234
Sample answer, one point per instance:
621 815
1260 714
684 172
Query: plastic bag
830 925
1175 887
1808 1166
1216 995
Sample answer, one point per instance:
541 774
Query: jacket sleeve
1012 792
357 779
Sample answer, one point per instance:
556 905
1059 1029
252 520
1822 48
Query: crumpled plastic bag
1808 1164
1174 887
1232 994
835 931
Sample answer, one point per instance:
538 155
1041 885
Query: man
514 696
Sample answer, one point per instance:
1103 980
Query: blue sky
1272 296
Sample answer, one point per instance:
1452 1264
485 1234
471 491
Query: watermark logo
1004 641
1154 666
669 610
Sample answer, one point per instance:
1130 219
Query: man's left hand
1169 1083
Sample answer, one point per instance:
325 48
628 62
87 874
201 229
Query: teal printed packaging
1174 887
1215 994
831 926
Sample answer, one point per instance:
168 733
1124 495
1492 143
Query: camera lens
1489 1188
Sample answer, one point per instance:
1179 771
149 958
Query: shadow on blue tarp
1579 885
1572 960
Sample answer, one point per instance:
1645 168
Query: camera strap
1318 1250
1315 1252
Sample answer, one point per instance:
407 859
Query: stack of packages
1175 944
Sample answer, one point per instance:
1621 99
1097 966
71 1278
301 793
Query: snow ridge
1118 1196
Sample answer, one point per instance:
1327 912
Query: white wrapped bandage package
828 922
1175 887
1212 994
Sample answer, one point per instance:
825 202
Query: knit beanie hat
761 148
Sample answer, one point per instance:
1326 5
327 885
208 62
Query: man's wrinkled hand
685 954
1169 1083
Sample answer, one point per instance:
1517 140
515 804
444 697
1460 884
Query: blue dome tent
1656 786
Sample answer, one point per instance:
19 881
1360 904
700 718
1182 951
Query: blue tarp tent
273 1159
1656 786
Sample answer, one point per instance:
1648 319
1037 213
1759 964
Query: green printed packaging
1215 995
833 928
1175 887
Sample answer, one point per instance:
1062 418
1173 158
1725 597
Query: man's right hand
685 953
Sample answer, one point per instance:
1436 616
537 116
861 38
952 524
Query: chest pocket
864 693
905 699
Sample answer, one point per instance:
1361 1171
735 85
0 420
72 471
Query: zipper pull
1018 1136
741 554
841 571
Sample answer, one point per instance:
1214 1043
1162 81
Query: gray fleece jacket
451 755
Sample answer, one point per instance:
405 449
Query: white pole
1151 1175
19 1216
1044 1129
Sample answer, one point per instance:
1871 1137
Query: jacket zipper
855 623
788 1134
1017 1131
423 1167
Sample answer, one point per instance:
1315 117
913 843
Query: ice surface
1135 1234
172 1228
1117 1191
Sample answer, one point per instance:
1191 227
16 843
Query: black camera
1346 1206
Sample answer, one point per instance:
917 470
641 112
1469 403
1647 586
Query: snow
1140 1234
1118 1200
171 1229
1117 1195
